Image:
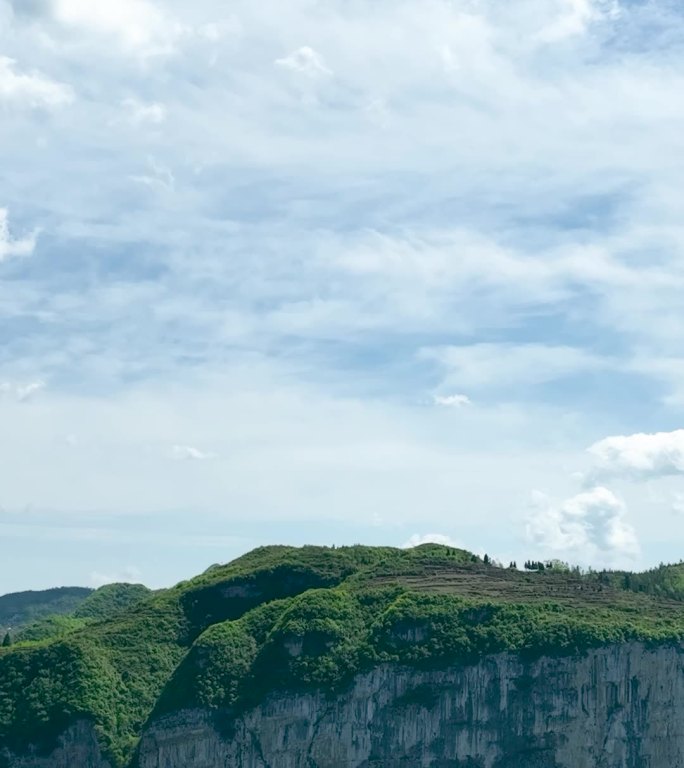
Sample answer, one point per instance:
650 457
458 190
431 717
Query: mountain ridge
285 619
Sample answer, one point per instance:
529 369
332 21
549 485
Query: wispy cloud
159 176
504 366
190 453
31 89
305 61
277 234
11 247
140 113
129 575
21 392
452 401
431 538
25 391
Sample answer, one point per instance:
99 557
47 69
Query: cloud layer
279 235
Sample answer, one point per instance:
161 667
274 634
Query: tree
7 641
485 559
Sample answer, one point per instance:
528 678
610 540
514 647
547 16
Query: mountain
100 604
361 657
22 608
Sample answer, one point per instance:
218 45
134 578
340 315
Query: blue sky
333 272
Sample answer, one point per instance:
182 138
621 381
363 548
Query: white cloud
190 453
576 16
590 528
31 89
304 60
452 401
138 24
501 190
639 456
26 391
21 392
129 575
9 247
678 504
431 538
139 112
160 176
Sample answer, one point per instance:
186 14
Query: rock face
77 748
617 707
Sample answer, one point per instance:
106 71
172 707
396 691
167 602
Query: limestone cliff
619 707
616 707
77 748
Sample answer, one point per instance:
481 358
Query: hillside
22 608
288 619
101 604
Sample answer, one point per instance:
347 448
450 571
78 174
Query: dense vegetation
103 603
286 618
22 608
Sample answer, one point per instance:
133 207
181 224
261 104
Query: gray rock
616 707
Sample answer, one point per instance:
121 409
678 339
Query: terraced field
480 582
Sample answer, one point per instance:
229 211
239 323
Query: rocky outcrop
617 707
77 748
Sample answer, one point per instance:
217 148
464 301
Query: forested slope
311 618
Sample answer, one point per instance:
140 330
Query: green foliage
21 608
7 640
50 627
103 603
665 581
316 641
109 600
286 618
138 650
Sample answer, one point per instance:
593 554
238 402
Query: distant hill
103 603
22 608
54 612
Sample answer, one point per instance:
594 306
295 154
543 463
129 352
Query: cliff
359 657
77 747
617 707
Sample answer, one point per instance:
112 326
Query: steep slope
282 637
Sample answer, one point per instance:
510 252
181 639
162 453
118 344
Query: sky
336 272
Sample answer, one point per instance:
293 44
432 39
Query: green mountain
103 603
311 618
22 608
